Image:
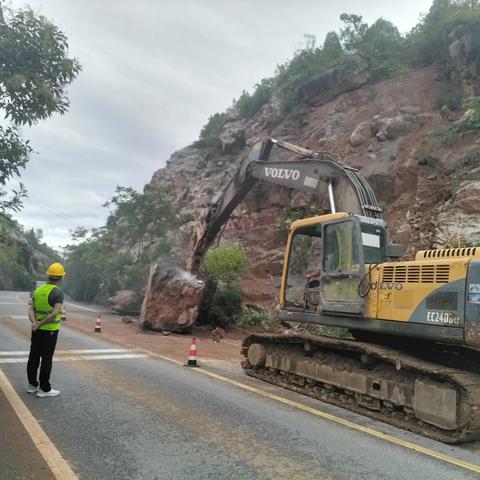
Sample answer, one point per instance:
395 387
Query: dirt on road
175 346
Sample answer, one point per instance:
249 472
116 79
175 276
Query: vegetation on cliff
387 51
23 256
222 300
117 256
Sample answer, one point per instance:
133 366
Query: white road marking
81 307
94 350
58 465
73 358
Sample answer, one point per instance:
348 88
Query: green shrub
253 316
335 332
226 305
474 121
426 159
210 133
452 101
249 105
445 136
226 264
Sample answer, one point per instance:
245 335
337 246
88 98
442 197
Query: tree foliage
23 255
222 301
210 133
380 44
226 264
427 41
34 72
117 255
307 61
248 105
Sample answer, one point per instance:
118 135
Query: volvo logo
386 286
285 173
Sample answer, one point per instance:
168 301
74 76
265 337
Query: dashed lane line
7 353
81 307
75 358
328 416
57 464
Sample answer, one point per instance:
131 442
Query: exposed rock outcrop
460 216
348 75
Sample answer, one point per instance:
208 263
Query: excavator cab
339 247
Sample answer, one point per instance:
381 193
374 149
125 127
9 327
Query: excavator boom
319 173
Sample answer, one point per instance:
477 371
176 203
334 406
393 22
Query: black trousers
42 347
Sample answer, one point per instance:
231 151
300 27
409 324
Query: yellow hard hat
56 270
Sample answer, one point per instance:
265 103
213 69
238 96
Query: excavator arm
314 172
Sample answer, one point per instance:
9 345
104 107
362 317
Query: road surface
124 413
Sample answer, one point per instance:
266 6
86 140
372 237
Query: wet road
124 414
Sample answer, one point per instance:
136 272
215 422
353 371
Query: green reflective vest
43 309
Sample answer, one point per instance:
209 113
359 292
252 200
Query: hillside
425 173
24 258
403 109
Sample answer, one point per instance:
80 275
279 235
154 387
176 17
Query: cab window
341 252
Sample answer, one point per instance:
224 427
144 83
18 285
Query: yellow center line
347 423
58 465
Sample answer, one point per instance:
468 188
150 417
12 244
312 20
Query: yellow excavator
413 356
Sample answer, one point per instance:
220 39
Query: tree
34 71
428 41
354 31
380 44
332 48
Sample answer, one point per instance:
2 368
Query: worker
45 313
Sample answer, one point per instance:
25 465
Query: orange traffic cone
98 325
64 314
192 356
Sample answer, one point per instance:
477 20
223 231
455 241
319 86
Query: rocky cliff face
429 185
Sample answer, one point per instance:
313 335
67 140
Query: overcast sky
153 72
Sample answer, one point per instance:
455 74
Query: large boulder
125 302
395 127
171 299
363 132
347 75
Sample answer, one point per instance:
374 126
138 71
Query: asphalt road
127 415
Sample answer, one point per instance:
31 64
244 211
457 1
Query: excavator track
431 399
